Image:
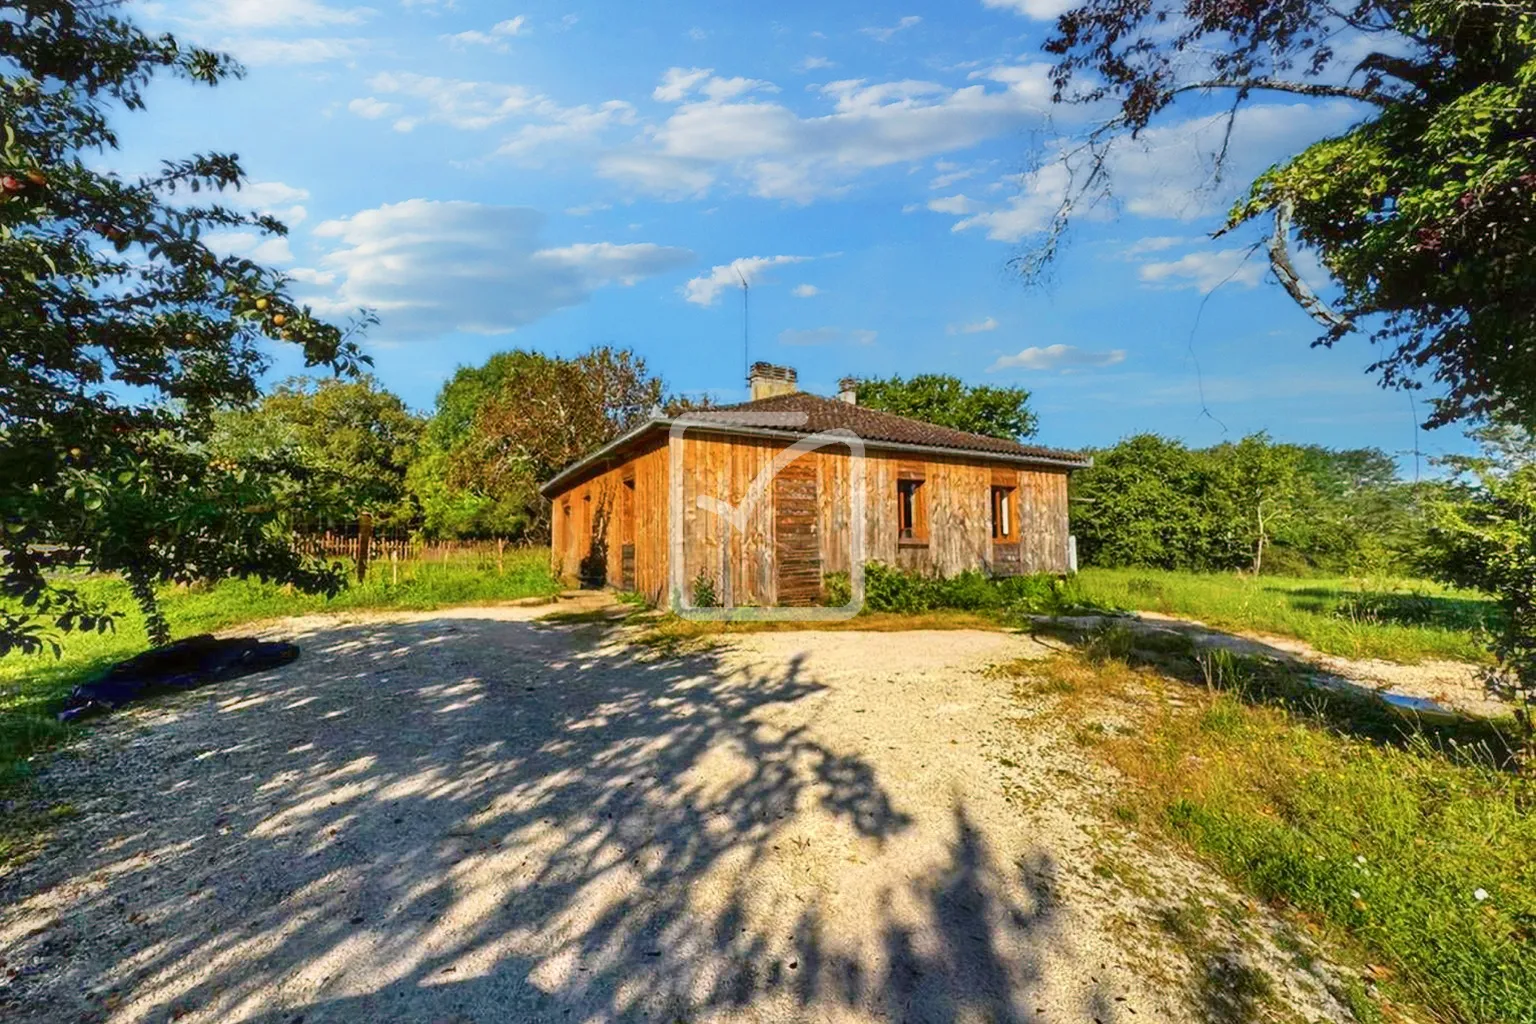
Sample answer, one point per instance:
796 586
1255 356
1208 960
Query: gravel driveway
473 816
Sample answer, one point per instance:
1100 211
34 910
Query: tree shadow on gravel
379 833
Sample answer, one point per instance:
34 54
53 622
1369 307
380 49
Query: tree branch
1281 85
1280 262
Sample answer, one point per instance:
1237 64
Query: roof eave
549 487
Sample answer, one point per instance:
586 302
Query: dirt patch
473 815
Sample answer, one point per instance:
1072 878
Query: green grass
1400 620
31 686
1407 853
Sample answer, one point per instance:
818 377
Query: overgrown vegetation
31 687
1486 537
1407 850
889 589
1256 505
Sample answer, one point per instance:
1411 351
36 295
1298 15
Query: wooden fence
364 544
405 548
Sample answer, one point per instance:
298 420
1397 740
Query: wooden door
627 535
1003 516
796 547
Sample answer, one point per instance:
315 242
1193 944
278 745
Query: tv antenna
746 359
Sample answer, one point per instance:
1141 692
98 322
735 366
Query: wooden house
630 514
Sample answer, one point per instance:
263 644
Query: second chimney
767 380
848 390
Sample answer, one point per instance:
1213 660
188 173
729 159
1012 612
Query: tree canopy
346 443
1256 505
1421 212
123 332
503 428
950 402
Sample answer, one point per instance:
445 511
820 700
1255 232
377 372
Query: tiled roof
804 413
801 413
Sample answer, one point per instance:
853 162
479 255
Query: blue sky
558 175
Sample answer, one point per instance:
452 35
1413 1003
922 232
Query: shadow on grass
1394 608
1258 673
476 820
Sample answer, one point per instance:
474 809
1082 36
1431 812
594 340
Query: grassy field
1401 620
32 685
1402 853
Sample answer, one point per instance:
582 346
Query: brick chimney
768 380
848 390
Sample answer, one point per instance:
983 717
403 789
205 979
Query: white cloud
1206 271
1040 10
258 51
431 267
461 104
884 34
372 107
1166 173
827 336
587 209
603 263
949 173
729 88
677 83
496 38
475 106
980 326
705 289
252 245
268 195
276 198
959 204
805 291
782 155
250 14
309 275
812 63
1058 357
1027 212
566 125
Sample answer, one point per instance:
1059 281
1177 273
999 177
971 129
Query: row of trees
1255 505
339 446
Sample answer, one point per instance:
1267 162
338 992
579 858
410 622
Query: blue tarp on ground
183 665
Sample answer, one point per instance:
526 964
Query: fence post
364 536
501 546
394 568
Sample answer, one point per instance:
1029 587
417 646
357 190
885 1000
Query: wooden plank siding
588 525
956 497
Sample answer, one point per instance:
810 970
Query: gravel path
472 816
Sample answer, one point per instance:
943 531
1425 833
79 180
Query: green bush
704 593
889 589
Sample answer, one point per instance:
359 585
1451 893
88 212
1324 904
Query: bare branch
1280 262
1319 89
